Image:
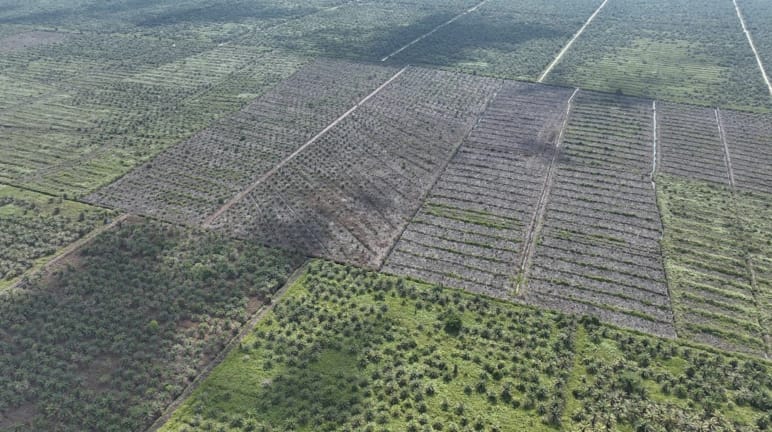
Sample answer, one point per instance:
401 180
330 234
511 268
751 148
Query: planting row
713 144
717 250
349 194
191 180
470 230
598 252
80 113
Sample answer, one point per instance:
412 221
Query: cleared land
690 143
349 195
471 228
24 40
599 249
107 339
191 180
33 227
351 350
748 139
687 51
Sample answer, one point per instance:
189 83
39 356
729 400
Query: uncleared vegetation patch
109 339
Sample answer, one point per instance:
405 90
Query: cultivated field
348 195
576 256
757 16
748 138
34 227
598 252
717 260
191 180
352 350
690 143
502 38
107 340
464 181
471 228
78 114
688 51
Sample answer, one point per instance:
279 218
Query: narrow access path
537 221
424 36
753 46
562 52
67 251
654 144
239 196
245 329
727 158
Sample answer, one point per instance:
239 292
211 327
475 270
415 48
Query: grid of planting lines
349 195
470 230
749 138
712 287
690 143
190 180
598 252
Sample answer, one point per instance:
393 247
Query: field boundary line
424 36
239 196
570 42
441 172
727 158
68 250
660 252
537 220
654 144
753 46
245 329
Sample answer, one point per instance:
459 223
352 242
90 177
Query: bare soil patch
30 39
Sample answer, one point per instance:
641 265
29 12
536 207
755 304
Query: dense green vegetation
508 39
687 51
33 226
347 349
109 339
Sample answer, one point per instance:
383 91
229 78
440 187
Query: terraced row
469 232
190 180
717 258
599 252
690 143
349 195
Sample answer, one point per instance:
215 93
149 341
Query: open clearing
24 40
